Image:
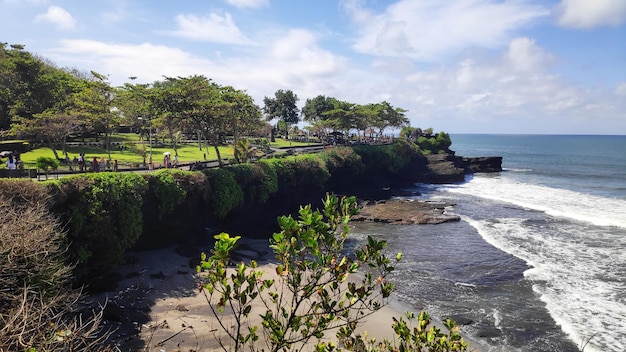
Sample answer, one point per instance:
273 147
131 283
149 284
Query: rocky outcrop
480 164
449 168
405 212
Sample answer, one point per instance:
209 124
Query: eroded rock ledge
405 212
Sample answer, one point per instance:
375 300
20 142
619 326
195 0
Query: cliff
449 168
374 185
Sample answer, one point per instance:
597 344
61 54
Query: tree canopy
43 103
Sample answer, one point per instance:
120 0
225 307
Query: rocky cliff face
449 168
257 221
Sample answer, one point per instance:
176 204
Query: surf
556 202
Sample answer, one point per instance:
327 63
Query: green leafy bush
46 164
311 293
389 157
258 181
168 193
226 193
342 159
293 172
441 142
104 215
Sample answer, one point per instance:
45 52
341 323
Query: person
10 163
81 162
150 166
176 160
94 164
102 164
115 165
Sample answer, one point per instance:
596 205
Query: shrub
226 193
46 163
342 158
258 181
389 157
104 216
310 293
167 192
293 172
38 307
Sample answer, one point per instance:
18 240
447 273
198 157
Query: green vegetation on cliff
108 213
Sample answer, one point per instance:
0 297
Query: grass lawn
187 152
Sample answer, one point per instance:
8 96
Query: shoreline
158 306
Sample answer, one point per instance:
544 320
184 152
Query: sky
459 66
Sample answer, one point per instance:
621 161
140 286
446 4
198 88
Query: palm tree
244 152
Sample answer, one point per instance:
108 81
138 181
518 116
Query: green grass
281 143
187 153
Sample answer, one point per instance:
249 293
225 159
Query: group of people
95 165
168 162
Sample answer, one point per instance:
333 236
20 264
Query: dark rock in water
460 320
159 275
448 168
489 332
480 164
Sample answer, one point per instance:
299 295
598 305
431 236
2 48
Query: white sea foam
571 273
556 202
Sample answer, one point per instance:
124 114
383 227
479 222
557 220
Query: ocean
538 261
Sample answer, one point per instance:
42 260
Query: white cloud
591 13
292 60
57 16
525 55
249 3
426 30
621 90
212 28
511 92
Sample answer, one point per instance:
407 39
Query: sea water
538 262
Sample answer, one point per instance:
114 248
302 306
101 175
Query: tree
314 109
30 85
97 104
51 128
386 116
244 115
244 151
195 103
46 163
311 293
283 107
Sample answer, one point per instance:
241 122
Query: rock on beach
405 212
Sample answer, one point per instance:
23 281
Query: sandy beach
158 305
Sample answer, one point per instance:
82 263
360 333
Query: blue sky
460 66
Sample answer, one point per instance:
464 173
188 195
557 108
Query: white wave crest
567 271
600 211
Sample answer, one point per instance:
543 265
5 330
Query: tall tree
244 115
198 102
97 104
283 107
386 116
315 109
30 85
